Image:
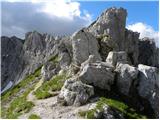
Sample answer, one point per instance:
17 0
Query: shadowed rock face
149 85
148 53
12 62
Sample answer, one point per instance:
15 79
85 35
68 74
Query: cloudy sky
63 17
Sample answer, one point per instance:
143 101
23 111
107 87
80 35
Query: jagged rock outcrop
115 57
74 92
49 69
114 36
148 53
25 58
112 21
98 74
149 85
126 75
84 44
12 62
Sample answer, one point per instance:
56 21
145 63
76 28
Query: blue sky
64 17
138 11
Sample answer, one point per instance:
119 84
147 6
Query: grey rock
115 57
98 74
65 60
11 61
84 44
111 113
107 112
148 52
34 42
36 50
131 46
126 74
148 85
91 59
112 21
48 70
74 92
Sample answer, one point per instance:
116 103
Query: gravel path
50 109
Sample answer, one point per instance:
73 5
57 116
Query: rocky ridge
104 56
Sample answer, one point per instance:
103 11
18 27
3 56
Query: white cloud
145 31
61 8
58 17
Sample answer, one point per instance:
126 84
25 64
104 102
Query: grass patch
54 59
128 112
55 84
34 116
18 105
14 90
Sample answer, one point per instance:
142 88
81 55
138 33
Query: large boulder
126 75
84 44
149 85
148 53
74 92
99 74
115 57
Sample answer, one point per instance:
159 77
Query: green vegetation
13 91
125 109
17 99
55 84
54 59
18 106
34 116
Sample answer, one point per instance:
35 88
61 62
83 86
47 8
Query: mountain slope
99 72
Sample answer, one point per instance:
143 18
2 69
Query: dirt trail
50 109
31 96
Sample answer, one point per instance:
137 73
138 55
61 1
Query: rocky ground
49 108
103 70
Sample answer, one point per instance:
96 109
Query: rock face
131 46
126 74
49 69
74 92
11 66
99 74
84 44
115 57
25 58
149 85
148 53
112 22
